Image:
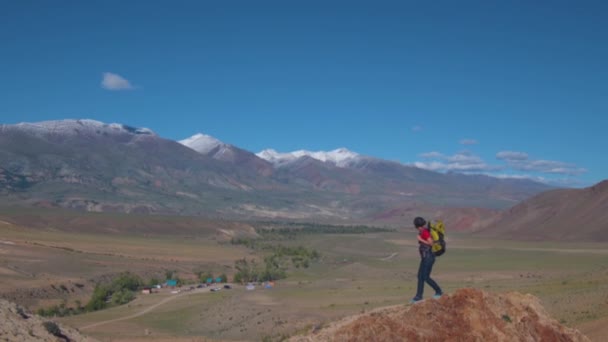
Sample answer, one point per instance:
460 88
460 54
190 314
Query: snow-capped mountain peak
340 157
71 127
201 143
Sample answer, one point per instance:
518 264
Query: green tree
205 275
122 296
128 281
247 270
98 298
153 281
238 278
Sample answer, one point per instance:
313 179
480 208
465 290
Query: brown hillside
119 223
566 214
466 315
457 219
18 325
464 219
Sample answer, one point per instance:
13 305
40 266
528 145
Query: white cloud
559 182
472 167
468 142
433 166
461 162
464 157
514 164
432 155
111 81
520 161
546 166
511 155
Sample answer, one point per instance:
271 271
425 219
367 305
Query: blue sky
507 88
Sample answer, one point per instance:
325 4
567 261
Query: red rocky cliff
466 315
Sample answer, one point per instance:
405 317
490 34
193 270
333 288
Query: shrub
22 313
52 328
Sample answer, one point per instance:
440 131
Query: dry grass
353 276
38 262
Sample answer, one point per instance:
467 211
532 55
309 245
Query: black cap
419 222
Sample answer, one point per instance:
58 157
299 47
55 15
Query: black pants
424 274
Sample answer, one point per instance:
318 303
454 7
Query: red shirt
425 235
423 248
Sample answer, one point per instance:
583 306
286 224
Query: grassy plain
356 273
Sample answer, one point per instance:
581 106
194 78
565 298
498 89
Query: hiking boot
437 295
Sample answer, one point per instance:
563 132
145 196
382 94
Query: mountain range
94 166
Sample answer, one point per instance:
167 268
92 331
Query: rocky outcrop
18 325
466 315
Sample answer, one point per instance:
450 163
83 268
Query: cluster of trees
299 256
169 274
120 291
290 230
251 271
247 242
275 264
61 310
279 258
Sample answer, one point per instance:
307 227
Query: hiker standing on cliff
427 259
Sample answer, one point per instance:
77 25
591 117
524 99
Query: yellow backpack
437 231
